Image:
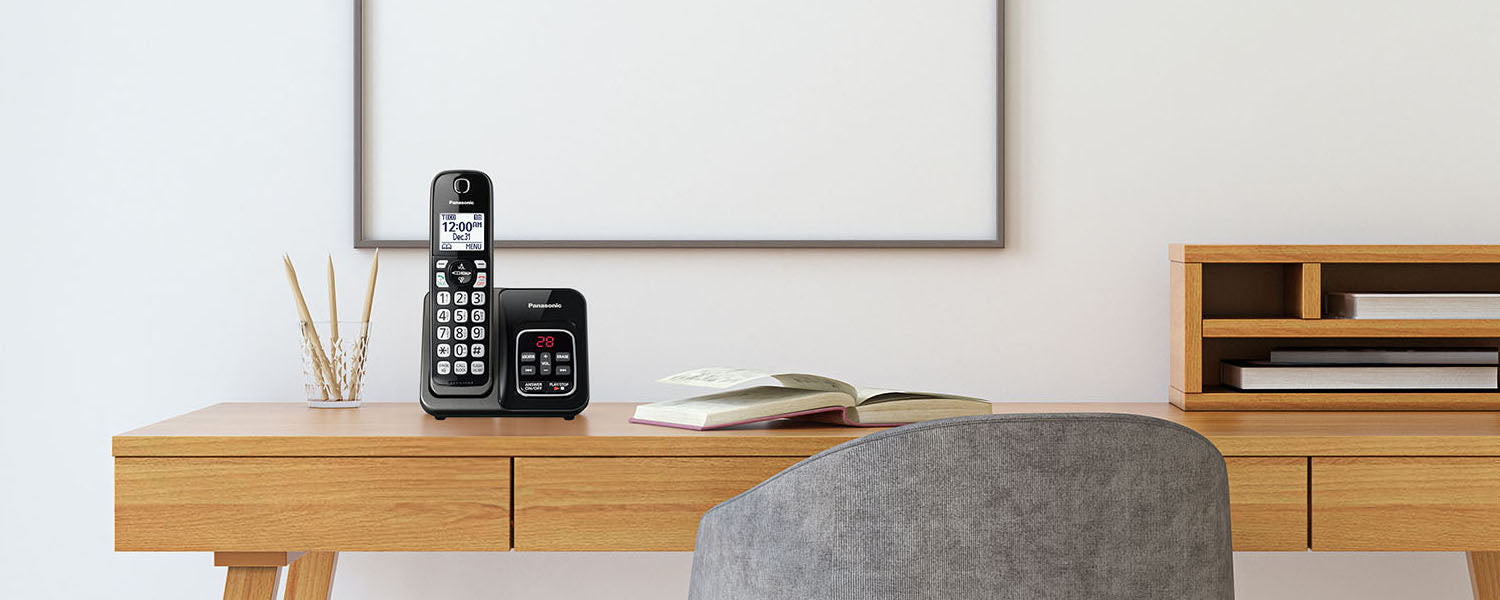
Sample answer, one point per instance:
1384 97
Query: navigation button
564 370
528 369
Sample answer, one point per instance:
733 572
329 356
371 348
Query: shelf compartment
1223 398
1351 328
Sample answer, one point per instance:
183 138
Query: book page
725 377
714 377
870 395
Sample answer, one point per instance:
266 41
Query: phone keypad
461 314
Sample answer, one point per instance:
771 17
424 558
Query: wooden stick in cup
336 351
364 329
320 361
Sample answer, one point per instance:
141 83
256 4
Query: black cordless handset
461 333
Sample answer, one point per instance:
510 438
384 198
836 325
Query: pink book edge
843 418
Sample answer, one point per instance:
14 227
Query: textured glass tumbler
333 362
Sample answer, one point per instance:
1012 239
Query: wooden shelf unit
1239 302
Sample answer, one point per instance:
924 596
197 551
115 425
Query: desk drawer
1268 503
1406 504
626 504
301 504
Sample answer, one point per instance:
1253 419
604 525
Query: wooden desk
261 484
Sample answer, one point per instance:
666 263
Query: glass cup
333 362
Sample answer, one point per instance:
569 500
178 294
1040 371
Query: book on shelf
1250 375
1366 305
801 396
1386 356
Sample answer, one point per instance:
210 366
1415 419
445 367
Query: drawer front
1406 504
626 504
1268 503
307 504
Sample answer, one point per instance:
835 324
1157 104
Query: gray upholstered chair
1075 506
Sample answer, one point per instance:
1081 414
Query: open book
799 395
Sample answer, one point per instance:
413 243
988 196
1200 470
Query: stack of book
1297 369
1366 305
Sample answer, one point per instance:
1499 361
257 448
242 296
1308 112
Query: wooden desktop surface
257 483
402 429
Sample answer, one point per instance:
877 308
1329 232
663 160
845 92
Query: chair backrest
1075 506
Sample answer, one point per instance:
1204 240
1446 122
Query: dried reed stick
358 371
320 360
336 351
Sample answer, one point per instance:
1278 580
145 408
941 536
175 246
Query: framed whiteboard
670 123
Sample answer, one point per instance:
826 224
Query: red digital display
545 341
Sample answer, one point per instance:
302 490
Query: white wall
125 126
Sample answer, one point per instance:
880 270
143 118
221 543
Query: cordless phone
493 352
460 330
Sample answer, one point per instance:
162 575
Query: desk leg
311 577
252 583
1484 573
253 575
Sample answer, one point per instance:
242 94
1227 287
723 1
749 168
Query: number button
460 315
460 298
444 350
444 298
477 314
461 333
444 315
476 368
445 332
476 298
476 332
444 367
461 350
476 350
460 367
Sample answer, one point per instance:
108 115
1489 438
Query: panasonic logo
535 305
460 202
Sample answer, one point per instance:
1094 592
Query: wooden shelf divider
1351 328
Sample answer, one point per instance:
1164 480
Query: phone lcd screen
461 232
